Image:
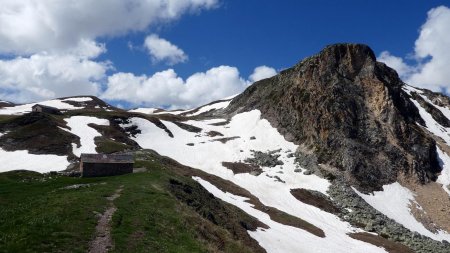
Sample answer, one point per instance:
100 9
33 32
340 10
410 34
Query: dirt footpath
103 241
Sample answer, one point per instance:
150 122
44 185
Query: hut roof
104 158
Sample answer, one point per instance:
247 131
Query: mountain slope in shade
334 154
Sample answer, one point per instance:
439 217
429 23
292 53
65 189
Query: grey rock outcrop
351 111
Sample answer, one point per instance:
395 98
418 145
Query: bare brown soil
389 246
309 198
102 242
435 203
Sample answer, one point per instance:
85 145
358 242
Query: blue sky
250 33
84 49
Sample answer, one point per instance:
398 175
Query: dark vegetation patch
227 186
39 133
316 199
114 138
389 246
238 167
6 118
233 219
166 117
6 104
158 110
187 127
108 146
214 133
226 139
222 123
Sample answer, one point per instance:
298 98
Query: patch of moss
107 146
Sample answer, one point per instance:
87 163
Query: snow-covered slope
395 202
247 132
217 105
144 110
79 126
57 103
435 129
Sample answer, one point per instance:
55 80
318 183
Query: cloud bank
50 48
167 89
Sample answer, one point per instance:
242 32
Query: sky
185 53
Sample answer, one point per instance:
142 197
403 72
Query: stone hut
45 109
101 165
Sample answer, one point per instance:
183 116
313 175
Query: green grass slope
155 213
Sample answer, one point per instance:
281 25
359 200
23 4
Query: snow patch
444 177
395 201
215 106
79 126
78 99
144 110
23 160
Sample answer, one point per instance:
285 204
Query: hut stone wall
105 169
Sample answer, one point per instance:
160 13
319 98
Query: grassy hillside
48 213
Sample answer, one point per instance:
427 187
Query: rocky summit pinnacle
348 59
349 112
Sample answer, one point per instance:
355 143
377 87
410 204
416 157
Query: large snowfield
207 154
79 126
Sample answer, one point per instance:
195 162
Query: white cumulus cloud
167 89
48 75
33 26
262 72
431 58
162 50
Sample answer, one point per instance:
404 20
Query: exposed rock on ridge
351 112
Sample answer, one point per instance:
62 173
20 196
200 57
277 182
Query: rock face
351 112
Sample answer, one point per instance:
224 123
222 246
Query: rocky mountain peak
347 59
350 113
